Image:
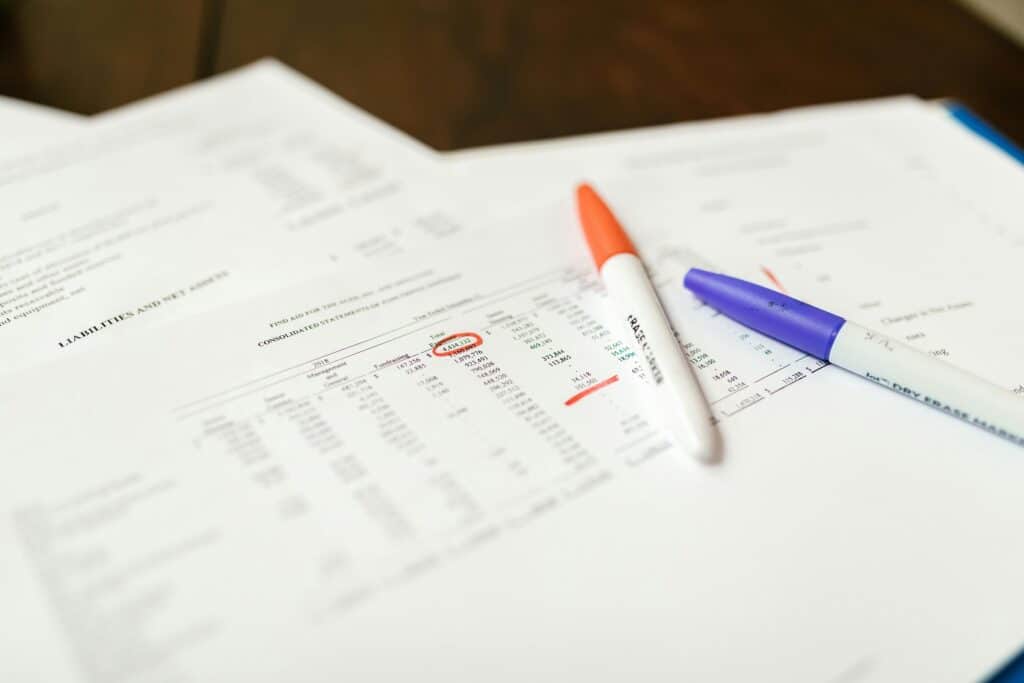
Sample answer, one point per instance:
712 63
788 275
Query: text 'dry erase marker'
864 352
684 411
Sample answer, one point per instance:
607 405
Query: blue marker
863 352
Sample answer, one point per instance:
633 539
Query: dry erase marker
684 411
864 352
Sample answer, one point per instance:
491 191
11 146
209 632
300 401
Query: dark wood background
459 73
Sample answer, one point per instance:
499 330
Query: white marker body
685 411
929 380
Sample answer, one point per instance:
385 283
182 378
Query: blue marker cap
769 312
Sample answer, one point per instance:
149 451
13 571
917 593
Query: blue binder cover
963 114
1012 672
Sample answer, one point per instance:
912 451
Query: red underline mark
774 280
591 389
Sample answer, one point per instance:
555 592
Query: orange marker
685 412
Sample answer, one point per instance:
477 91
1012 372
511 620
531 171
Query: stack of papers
237 445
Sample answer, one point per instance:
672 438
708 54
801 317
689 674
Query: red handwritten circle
477 340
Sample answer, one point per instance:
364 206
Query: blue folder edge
1013 670
979 126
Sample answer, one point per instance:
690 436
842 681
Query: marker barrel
675 386
929 380
869 354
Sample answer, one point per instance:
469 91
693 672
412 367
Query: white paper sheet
202 196
24 125
963 164
326 483
501 176
918 134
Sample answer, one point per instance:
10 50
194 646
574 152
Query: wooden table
460 73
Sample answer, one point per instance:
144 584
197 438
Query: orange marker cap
604 234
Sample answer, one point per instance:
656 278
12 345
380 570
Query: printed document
442 469
240 184
440 448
